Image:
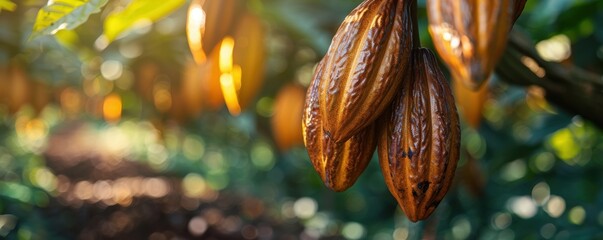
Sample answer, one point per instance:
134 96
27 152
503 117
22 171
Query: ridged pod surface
363 65
338 164
470 35
419 140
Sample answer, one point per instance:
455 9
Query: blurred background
112 128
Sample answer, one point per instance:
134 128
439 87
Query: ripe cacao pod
210 81
363 66
208 22
419 141
287 117
190 88
471 103
339 164
249 53
470 35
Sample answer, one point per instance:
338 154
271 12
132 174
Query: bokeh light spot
577 215
305 207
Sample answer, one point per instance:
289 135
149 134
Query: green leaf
7 5
152 10
64 14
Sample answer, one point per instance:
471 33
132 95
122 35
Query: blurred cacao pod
471 103
145 74
287 116
208 22
470 36
420 139
366 59
339 164
18 88
210 81
4 85
249 54
190 88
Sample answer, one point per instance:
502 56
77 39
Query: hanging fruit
18 88
250 54
471 103
420 139
470 35
190 88
339 164
287 116
366 59
208 22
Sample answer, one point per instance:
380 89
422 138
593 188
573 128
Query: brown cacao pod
471 103
339 164
287 117
470 35
363 66
419 142
208 22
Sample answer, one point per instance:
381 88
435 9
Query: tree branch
571 88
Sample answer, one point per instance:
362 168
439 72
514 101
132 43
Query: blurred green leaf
64 14
7 5
137 10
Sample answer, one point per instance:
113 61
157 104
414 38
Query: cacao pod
363 65
287 118
471 103
249 53
210 81
190 88
470 36
419 142
208 22
339 164
18 88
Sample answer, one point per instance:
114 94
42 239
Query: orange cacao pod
471 103
287 118
208 22
249 53
470 35
190 88
419 142
210 81
339 164
18 88
364 64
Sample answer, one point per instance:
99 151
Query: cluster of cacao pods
376 88
227 44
